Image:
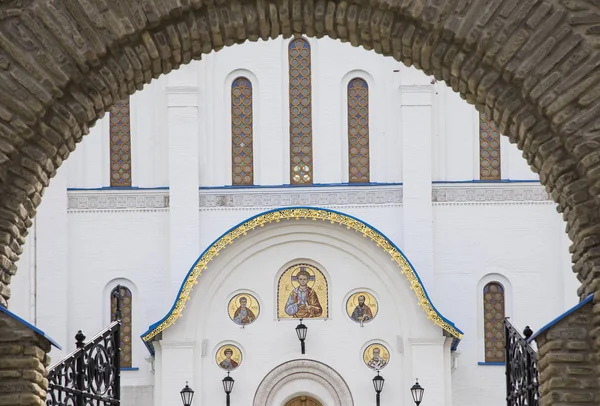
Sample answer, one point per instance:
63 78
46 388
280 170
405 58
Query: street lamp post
187 394
417 392
228 387
301 331
378 382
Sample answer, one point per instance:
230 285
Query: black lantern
378 382
187 394
417 393
228 386
301 330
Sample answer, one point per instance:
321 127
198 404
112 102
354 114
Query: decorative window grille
489 149
358 131
120 144
241 132
301 160
493 318
125 316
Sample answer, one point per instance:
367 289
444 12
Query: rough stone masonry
531 65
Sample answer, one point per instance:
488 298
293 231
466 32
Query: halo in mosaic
493 318
489 149
358 131
301 162
120 144
126 308
242 159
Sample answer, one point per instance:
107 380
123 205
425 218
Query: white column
52 265
177 367
184 212
416 175
429 366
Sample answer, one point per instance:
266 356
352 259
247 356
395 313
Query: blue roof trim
572 310
30 326
455 343
153 326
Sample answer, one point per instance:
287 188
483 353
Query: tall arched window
125 314
358 131
120 144
241 132
493 318
301 162
489 149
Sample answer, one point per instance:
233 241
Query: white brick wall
76 255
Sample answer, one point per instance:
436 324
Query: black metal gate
90 375
521 368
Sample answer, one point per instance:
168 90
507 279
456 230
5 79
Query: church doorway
303 401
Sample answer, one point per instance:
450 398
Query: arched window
125 314
493 318
489 149
301 162
120 144
358 131
242 160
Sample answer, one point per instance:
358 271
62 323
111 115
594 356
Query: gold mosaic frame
314 214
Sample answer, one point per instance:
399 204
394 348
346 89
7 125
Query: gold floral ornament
298 213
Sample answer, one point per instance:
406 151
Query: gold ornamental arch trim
298 213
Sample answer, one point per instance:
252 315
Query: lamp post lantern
417 392
301 331
378 382
228 387
187 395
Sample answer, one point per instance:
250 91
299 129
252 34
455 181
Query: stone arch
533 68
322 375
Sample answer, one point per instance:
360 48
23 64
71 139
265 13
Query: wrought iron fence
90 375
521 368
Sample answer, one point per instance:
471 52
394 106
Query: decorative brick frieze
486 194
334 196
111 201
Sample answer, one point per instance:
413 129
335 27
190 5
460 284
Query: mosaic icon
229 357
243 309
302 293
362 307
376 356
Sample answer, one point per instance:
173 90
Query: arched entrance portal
303 401
293 377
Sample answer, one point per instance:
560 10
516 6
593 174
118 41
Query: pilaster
184 242
417 209
176 369
52 263
429 366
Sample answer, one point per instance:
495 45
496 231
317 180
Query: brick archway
532 65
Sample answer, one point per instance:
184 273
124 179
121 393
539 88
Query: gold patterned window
301 161
358 131
493 316
120 144
489 149
124 312
241 132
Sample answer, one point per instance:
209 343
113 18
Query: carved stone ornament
303 369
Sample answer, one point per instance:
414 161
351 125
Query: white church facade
297 181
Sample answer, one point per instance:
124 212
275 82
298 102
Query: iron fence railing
90 375
521 368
